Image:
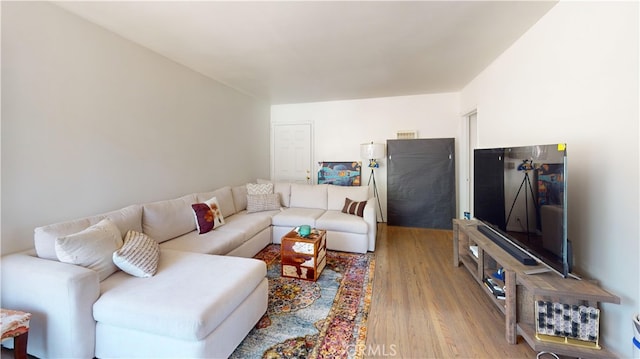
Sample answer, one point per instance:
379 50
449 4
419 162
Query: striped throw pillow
353 207
263 202
138 256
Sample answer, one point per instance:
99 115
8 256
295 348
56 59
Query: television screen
521 193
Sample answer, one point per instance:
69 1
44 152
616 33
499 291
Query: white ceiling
307 51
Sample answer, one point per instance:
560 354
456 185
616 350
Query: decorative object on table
373 152
569 324
15 324
306 319
340 173
304 230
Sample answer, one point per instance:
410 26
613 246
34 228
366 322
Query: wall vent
406 135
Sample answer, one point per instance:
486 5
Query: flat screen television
520 194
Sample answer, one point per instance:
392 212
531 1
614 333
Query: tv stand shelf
521 290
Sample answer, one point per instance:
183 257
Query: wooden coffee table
304 257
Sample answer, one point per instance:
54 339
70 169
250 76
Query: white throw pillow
44 237
138 256
91 248
259 188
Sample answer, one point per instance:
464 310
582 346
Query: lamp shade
372 150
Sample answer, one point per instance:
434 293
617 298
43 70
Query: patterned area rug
323 319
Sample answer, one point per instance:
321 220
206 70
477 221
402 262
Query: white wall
341 126
92 122
574 78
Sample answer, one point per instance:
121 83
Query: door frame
469 141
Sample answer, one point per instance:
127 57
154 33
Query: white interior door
292 160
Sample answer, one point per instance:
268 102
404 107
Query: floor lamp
373 152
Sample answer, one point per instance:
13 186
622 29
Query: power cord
549 353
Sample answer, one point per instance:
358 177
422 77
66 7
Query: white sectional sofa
321 207
207 292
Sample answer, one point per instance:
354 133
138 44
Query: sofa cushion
353 207
341 222
186 299
91 248
207 215
225 200
214 242
309 196
168 219
337 194
263 202
240 197
249 224
284 189
138 255
127 218
294 217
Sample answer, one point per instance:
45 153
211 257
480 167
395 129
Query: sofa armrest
369 215
59 296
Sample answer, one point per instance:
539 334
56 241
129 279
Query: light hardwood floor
424 307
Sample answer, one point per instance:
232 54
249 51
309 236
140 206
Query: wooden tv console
523 290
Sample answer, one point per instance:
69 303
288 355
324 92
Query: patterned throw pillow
208 215
263 202
91 248
259 188
138 256
353 207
